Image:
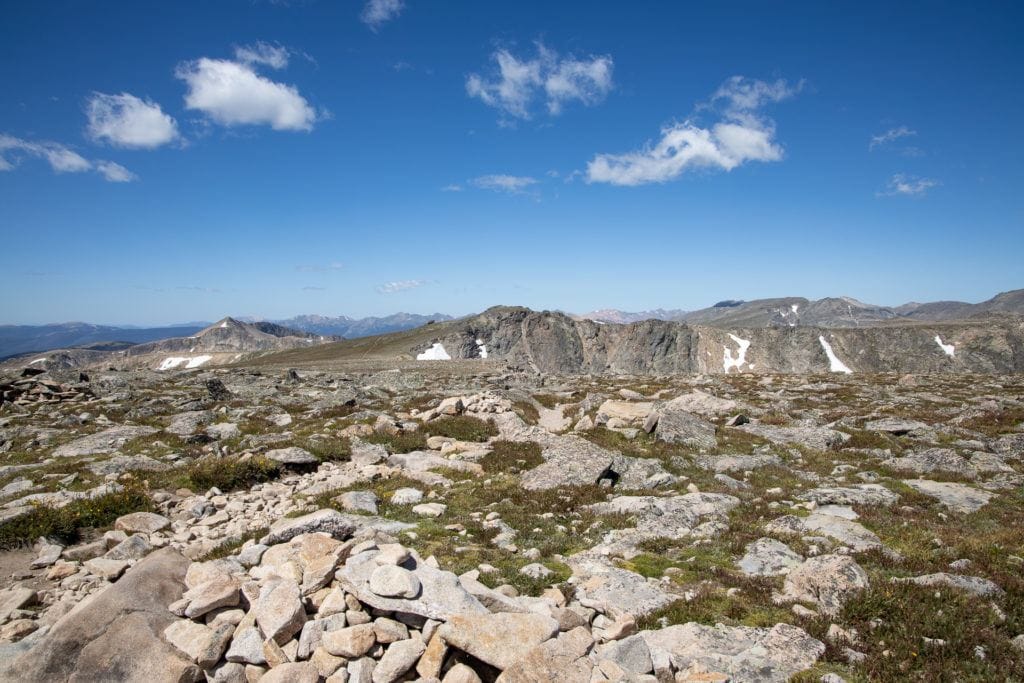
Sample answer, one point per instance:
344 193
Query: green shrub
226 474
63 524
331 449
461 427
402 442
508 455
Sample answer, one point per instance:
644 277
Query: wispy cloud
274 56
902 184
231 93
742 134
511 184
376 13
454 187
319 268
401 286
127 121
61 159
517 85
115 173
311 288
890 136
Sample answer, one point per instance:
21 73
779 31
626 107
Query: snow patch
435 352
834 364
177 361
171 363
741 354
224 324
794 307
949 349
483 348
44 358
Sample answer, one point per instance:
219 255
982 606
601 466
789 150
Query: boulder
497 639
327 520
678 426
827 581
141 523
293 456
102 442
768 557
562 659
975 585
571 461
957 497
100 640
741 653
279 610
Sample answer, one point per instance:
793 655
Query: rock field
445 524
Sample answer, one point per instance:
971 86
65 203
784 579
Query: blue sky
171 161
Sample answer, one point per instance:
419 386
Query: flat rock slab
934 460
571 461
736 463
974 585
102 638
293 455
862 494
102 442
701 403
768 557
614 590
818 438
440 597
956 497
742 653
899 427
846 531
498 639
678 426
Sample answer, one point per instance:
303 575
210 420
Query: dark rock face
554 343
117 635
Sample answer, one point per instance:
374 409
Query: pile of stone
34 389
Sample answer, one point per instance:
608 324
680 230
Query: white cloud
274 56
908 186
60 158
126 121
889 136
115 173
401 286
376 13
519 83
743 134
454 187
232 93
504 183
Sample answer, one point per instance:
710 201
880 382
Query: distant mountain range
20 339
835 312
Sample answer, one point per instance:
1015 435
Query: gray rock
975 585
141 523
292 672
406 496
135 547
768 557
47 555
390 581
818 438
102 442
279 611
561 659
956 497
737 463
398 659
756 655
934 460
247 647
615 591
497 639
327 521
571 461
292 455
631 654
441 595
350 642
359 501
827 581
102 639
861 494
678 426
